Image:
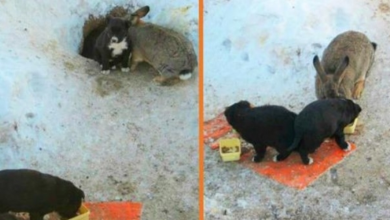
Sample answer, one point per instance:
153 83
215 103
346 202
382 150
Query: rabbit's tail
295 144
185 74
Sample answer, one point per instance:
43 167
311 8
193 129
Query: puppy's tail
296 142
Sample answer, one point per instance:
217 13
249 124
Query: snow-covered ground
119 137
262 51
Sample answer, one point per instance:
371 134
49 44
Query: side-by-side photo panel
99 110
295 109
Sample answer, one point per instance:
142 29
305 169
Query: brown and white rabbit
345 65
169 52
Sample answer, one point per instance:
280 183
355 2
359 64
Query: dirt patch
384 8
105 85
69 66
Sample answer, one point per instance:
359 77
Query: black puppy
320 120
263 126
113 45
38 194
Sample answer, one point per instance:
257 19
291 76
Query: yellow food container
83 213
350 129
230 149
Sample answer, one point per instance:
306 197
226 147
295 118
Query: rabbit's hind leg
158 79
163 81
136 58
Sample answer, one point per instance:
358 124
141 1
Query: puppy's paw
256 159
275 158
310 160
327 140
113 67
22 215
348 148
125 70
105 72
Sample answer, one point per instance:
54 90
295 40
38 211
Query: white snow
263 50
36 41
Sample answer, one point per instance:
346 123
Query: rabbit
167 51
345 65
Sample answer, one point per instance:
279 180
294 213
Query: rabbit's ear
142 12
340 71
134 19
320 70
374 45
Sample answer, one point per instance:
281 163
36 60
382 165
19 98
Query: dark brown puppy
38 194
263 126
113 46
322 119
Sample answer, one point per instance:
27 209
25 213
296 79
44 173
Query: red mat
114 210
216 128
291 172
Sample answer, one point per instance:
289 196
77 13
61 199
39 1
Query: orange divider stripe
201 115
114 210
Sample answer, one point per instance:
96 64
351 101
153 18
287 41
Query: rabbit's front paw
358 90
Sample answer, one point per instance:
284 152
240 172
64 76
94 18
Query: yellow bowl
230 145
350 129
84 213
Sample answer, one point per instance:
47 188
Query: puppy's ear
244 104
374 45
